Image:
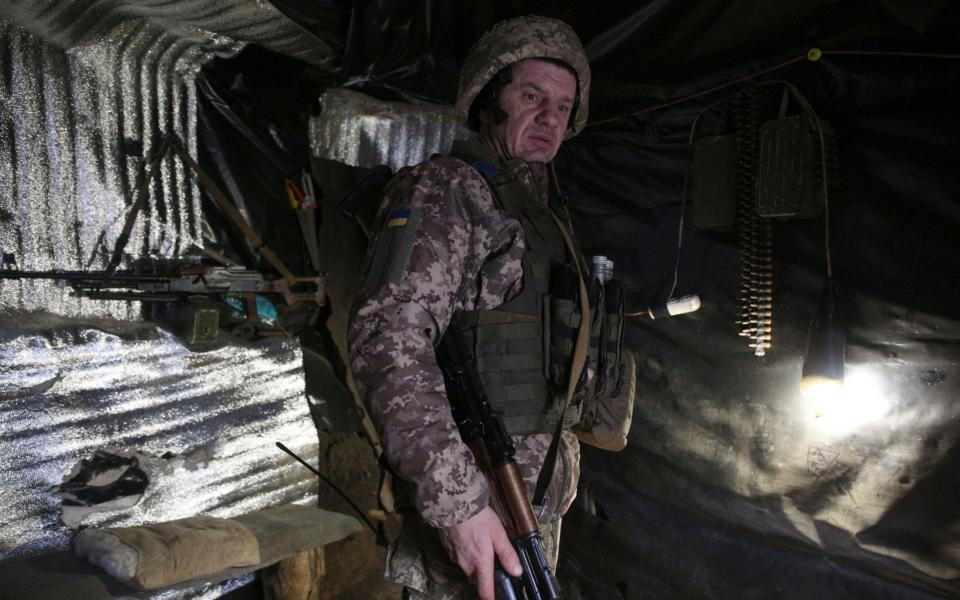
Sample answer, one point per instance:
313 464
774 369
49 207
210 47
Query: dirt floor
354 567
371 588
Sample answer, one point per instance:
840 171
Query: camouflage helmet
517 39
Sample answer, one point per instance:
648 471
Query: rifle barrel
115 278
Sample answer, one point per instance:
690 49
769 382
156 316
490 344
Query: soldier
472 232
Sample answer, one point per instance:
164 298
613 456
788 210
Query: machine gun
485 435
168 282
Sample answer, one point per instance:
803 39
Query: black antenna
377 532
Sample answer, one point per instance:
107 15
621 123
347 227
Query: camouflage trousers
419 562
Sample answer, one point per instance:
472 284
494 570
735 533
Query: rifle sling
579 358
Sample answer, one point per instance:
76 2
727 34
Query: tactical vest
511 342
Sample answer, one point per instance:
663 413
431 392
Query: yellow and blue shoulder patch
394 246
398 218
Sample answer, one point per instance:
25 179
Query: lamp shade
823 361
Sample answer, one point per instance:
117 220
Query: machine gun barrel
178 281
76 276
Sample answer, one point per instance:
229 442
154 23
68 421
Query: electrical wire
818 126
813 55
812 114
683 200
888 53
699 94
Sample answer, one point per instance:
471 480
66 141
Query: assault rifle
485 435
168 281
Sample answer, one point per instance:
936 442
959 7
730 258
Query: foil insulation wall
86 89
73 129
361 131
206 421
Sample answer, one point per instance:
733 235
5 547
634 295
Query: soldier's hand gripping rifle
484 432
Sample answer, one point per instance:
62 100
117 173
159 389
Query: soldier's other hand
475 543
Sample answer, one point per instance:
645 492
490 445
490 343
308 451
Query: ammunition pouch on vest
524 347
605 390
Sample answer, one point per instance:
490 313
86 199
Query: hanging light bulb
821 380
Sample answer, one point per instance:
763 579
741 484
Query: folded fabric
161 555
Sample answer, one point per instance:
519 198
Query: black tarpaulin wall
731 487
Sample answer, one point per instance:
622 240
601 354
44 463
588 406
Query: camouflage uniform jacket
465 254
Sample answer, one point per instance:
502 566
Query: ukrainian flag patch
394 246
398 218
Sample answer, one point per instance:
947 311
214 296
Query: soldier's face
538 101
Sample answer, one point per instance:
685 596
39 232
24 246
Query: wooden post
298 577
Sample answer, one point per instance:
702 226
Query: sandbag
156 556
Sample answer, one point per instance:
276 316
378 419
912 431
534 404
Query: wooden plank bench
282 532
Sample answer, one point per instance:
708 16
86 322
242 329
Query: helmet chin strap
486 136
497 113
